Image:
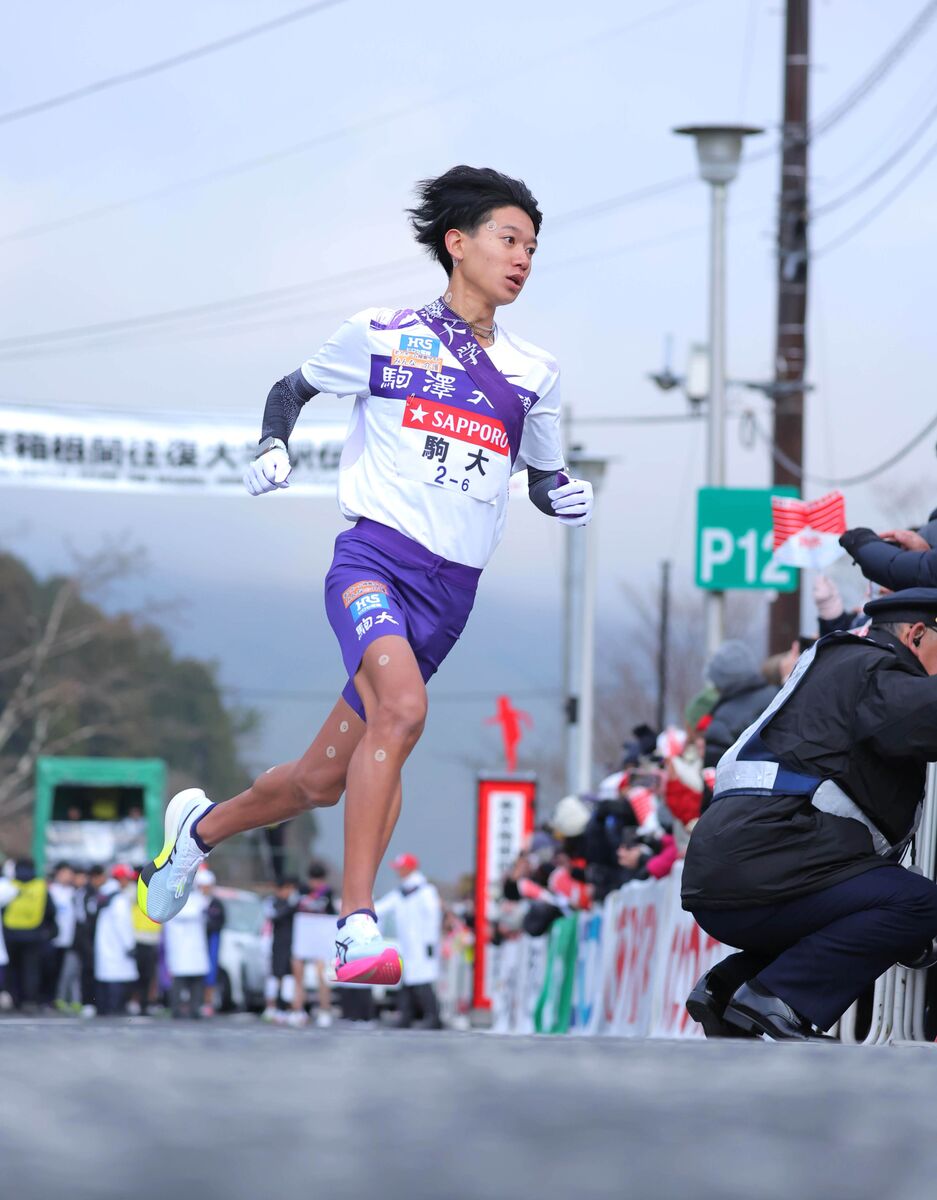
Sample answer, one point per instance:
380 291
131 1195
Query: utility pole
790 351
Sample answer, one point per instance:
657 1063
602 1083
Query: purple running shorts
382 582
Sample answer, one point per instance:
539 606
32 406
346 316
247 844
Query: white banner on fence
686 954
119 452
636 960
632 924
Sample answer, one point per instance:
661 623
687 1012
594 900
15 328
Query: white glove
268 472
572 502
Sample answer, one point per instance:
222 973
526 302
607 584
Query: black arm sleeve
538 484
284 402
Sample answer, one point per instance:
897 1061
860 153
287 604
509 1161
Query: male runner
448 405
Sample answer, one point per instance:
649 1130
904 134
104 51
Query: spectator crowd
78 943
638 821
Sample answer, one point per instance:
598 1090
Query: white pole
587 663
579 634
575 547
715 428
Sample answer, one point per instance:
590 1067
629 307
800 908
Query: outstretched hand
907 539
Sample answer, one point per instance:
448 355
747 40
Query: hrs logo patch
417 350
367 603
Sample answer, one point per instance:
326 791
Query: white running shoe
323 1019
362 956
297 1019
269 1014
166 882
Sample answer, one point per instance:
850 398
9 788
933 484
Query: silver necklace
478 330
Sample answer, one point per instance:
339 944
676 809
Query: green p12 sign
734 540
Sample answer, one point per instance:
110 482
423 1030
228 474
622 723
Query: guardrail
898 1000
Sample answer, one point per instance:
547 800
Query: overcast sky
348 108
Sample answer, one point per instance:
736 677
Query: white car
242 962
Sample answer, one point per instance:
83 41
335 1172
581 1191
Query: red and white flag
806 532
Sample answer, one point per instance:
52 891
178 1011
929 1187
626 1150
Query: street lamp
718 150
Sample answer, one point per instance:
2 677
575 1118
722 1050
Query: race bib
455 449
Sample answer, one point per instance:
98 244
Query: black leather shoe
756 1012
706 1006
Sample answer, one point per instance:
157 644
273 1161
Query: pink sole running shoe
384 969
363 957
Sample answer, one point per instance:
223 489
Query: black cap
910 604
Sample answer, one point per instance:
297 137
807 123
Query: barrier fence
626 969
623 970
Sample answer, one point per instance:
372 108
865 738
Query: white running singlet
425 451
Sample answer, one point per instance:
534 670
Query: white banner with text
123 453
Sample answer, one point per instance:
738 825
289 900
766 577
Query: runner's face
497 257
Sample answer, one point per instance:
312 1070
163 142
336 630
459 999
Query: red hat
123 874
406 862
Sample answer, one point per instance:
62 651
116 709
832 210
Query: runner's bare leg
316 780
394 696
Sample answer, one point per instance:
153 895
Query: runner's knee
400 717
311 789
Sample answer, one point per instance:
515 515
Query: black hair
317 870
461 199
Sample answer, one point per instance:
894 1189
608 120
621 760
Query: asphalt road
231 1109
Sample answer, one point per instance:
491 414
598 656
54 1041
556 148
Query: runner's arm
284 404
539 485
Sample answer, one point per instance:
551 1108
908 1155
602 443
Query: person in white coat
186 943
114 965
8 892
416 912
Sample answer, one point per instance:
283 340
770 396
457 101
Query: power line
879 208
224 318
261 161
879 70
23 345
825 122
25 341
826 481
882 169
166 64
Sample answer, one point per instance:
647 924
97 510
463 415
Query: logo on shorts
360 588
367 603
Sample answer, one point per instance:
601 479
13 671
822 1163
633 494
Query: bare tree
50 702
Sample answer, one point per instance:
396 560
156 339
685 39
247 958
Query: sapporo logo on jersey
417 350
360 588
434 418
